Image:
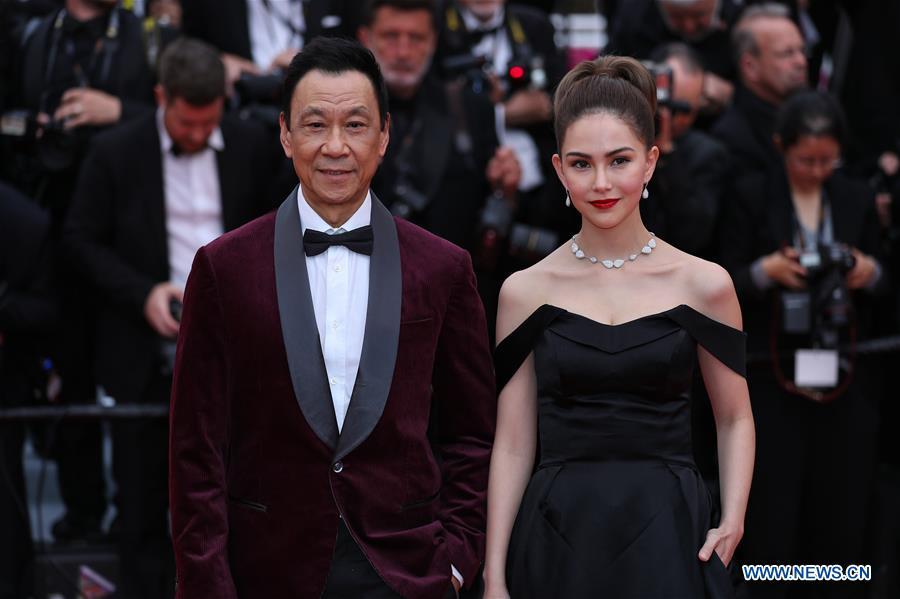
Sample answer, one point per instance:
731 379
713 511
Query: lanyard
105 46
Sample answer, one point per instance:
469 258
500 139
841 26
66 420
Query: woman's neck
626 238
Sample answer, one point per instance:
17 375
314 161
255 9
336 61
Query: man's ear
385 135
159 93
364 35
284 136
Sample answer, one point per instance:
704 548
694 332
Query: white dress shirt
339 284
193 200
269 31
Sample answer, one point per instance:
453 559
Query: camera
824 308
664 78
524 71
258 97
497 226
55 148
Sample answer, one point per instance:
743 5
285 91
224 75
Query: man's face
692 20
780 67
335 138
403 42
189 126
687 87
483 9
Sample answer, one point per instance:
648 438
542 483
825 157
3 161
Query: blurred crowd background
134 132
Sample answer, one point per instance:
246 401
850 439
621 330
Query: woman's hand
784 267
862 272
723 540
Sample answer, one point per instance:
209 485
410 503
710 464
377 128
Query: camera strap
107 46
403 161
460 36
462 137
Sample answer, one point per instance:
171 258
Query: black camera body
824 307
55 148
524 71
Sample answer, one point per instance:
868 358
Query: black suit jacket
746 128
115 236
685 192
223 23
757 221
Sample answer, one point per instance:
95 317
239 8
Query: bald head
770 52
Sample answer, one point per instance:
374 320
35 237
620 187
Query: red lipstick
604 204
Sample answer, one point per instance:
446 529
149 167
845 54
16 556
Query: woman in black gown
599 342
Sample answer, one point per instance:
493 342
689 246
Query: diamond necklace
618 263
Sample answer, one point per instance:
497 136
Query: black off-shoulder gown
616 507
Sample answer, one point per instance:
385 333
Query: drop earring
645 194
568 200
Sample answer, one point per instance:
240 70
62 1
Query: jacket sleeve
463 384
198 443
738 248
88 236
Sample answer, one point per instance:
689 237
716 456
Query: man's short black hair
334 55
192 70
402 5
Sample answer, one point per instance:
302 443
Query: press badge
816 368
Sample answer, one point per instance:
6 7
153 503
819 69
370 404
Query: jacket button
338 467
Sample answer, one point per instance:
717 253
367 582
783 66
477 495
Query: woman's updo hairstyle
618 85
813 114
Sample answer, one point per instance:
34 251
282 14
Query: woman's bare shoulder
522 293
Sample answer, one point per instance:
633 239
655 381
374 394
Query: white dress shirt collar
473 23
310 219
216 140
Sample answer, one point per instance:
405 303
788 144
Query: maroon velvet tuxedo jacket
258 472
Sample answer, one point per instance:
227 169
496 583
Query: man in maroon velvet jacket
333 405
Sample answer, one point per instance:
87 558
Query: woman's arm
515 442
730 401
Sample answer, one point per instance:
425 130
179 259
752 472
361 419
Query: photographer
442 139
82 68
801 243
704 25
260 37
519 67
692 172
771 59
150 194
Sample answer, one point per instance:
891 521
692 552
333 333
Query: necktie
358 240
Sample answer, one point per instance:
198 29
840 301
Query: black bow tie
358 240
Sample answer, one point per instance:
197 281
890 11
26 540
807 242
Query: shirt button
338 467
337 268
334 380
335 324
